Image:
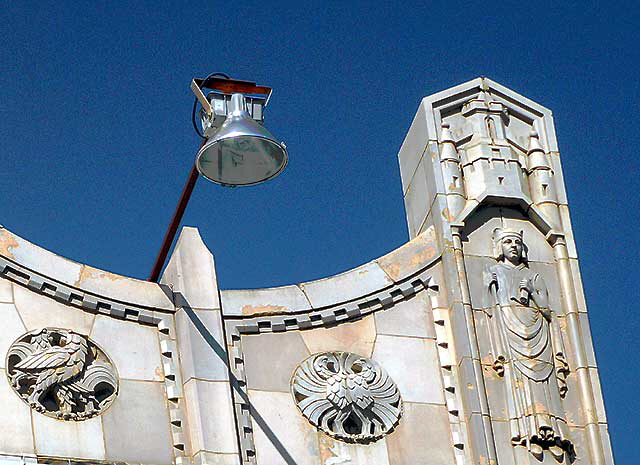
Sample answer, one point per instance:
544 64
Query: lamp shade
242 152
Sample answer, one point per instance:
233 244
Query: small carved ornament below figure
347 396
61 374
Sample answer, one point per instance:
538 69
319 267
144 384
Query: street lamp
237 150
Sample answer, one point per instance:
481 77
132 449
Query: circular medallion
61 374
348 396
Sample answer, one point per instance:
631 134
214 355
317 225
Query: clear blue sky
97 140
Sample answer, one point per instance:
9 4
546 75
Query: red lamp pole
170 235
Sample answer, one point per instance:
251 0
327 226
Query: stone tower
470 344
480 166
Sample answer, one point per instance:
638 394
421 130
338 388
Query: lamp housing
239 150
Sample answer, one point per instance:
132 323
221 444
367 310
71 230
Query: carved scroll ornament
61 374
347 396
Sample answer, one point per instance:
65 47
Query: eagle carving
61 373
348 396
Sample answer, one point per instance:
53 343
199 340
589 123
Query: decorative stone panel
347 396
62 374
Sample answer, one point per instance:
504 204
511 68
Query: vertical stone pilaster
210 426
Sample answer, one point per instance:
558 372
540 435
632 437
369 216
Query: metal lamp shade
241 152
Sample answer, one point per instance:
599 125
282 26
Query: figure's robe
526 340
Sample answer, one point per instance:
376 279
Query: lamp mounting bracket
226 86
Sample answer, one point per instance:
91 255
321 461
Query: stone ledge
373 277
41 265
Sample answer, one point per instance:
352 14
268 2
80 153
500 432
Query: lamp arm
170 235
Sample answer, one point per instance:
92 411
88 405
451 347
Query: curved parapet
370 278
99 320
48 271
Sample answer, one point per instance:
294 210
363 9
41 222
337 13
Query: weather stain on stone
258 310
487 362
446 214
427 254
89 273
7 243
159 374
410 256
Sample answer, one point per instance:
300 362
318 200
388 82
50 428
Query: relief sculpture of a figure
527 349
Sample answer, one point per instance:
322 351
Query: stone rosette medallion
61 374
347 396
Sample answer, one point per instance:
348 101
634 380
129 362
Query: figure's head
508 245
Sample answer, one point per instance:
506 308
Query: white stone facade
205 376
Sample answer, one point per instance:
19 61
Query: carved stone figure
528 349
61 373
347 396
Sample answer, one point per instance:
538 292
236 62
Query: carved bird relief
57 373
347 396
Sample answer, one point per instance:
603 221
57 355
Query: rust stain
88 273
326 444
259 310
159 373
537 408
446 214
482 460
563 324
393 270
487 360
427 254
7 242
411 255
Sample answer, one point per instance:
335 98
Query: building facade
470 344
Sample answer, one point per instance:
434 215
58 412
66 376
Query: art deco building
470 344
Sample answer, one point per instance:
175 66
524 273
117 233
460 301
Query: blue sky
97 139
